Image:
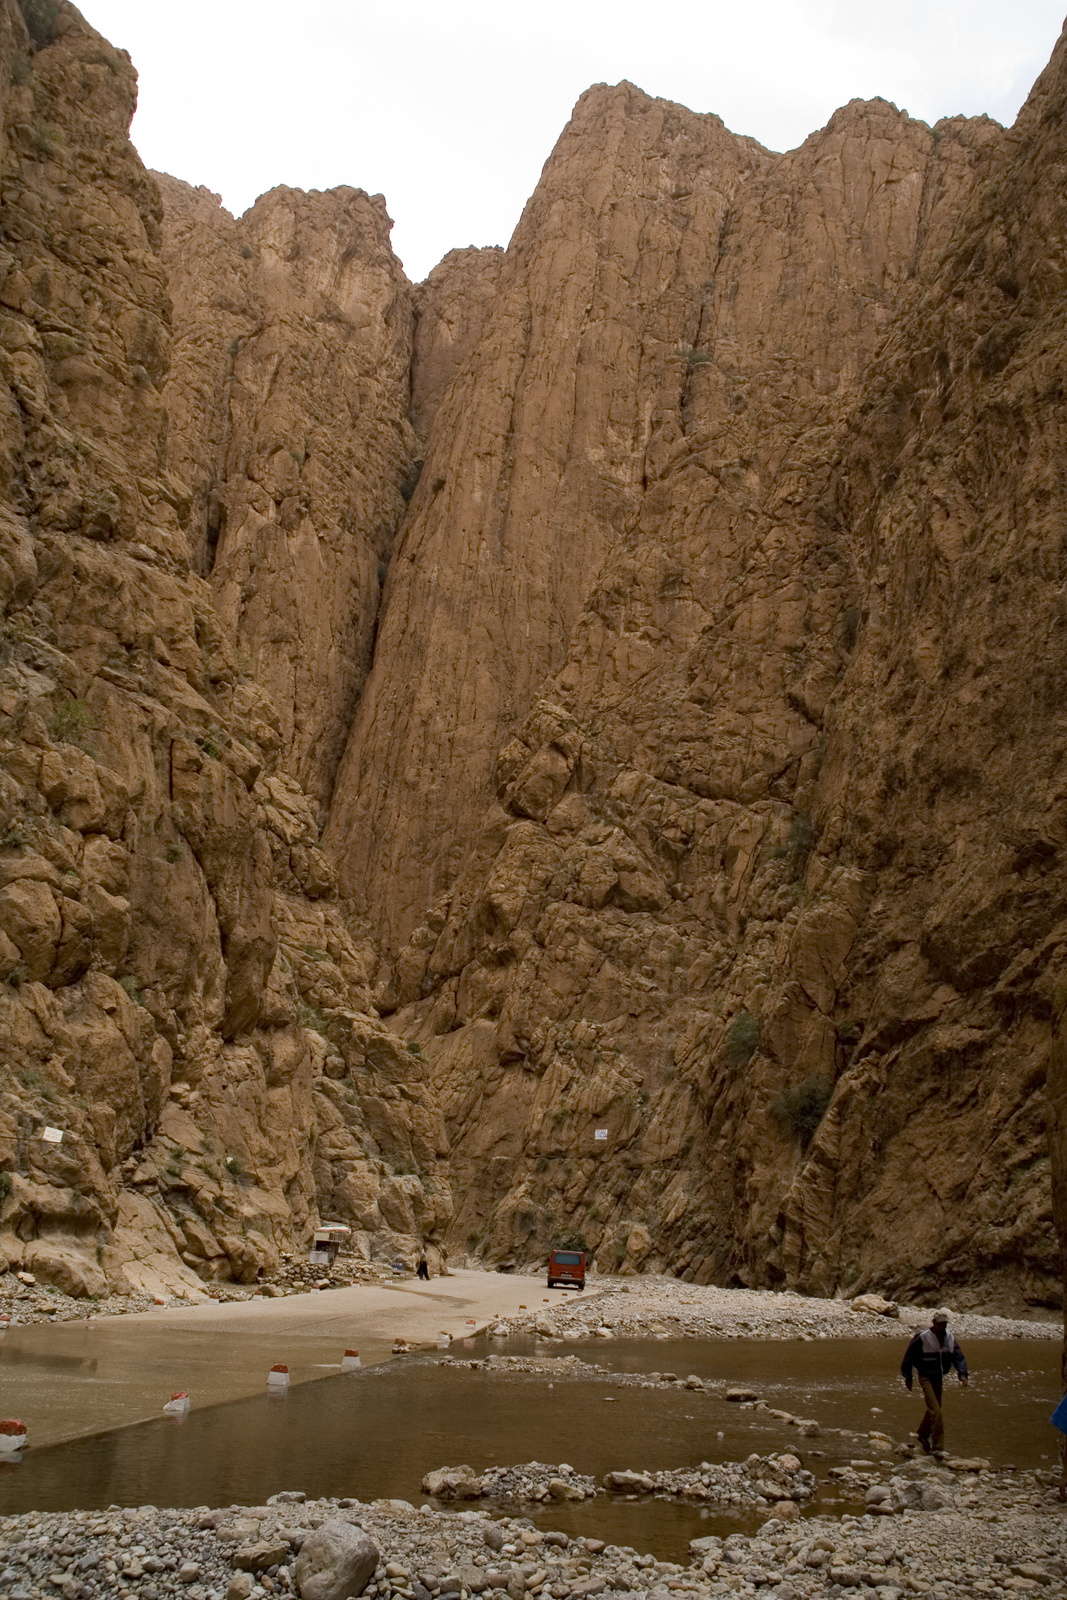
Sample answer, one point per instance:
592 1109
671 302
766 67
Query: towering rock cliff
288 398
663 613
171 958
534 469
451 311
672 925
944 780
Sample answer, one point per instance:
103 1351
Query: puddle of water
376 1433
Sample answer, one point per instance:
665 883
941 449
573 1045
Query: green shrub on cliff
742 1037
801 1107
72 721
40 19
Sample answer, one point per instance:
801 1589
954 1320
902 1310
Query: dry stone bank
23 1299
663 1308
1000 1538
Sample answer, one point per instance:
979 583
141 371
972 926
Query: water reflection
855 1384
51 1360
377 1432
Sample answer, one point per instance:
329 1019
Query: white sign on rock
601 1133
52 1135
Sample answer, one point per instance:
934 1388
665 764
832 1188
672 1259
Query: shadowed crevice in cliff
288 396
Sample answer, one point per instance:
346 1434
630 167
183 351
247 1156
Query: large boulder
626 1482
453 1483
878 1494
906 1494
936 1497
65 1268
875 1305
336 1562
261 1555
560 1489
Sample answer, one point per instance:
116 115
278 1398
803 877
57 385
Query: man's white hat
940 1315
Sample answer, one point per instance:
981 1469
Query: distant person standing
424 1268
932 1351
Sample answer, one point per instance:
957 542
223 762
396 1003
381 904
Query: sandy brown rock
654 933
944 769
705 789
288 401
534 470
452 308
171 954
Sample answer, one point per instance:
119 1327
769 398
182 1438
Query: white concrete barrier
12 1436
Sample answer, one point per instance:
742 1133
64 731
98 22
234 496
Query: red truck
566 1269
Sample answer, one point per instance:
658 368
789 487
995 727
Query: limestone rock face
171 954
534 470
451 310
944 775
672 927
288 400
688 730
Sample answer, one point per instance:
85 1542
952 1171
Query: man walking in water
932 1351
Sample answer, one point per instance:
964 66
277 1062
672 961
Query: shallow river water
377 1432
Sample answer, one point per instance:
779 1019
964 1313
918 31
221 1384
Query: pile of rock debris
1007 1540
778 1480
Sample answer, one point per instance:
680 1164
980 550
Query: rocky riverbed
641 1307
25 1299
665 1308
940 1532
779 1480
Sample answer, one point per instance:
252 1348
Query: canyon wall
533 471
730 907
660 618
288 396
451 311
680 1003
179 996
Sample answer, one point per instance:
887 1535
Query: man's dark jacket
932 1357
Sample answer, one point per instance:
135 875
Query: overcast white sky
450 107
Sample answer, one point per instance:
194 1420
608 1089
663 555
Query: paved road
377 1312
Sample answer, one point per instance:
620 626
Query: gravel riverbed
939 1532
665 1308
641 1307
23 1299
